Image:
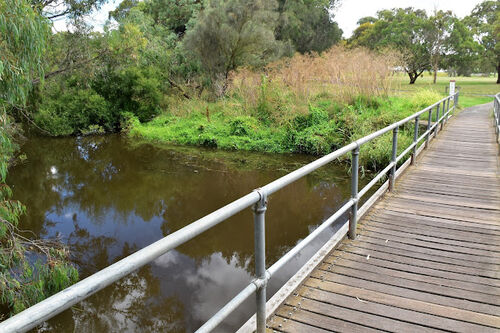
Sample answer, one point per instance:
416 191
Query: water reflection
107 199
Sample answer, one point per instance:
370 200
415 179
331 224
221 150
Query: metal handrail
496 115
66 298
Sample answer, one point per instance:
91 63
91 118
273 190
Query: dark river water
106 199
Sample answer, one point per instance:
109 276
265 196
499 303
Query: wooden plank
321 321
381 275
402 290
346 314
367 265
492 263
391 311
434 231
287 325
436 198
427 254
428 220
451 213
423 267
444 311
437 242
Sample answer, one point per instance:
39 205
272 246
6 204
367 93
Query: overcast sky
350 11
347 14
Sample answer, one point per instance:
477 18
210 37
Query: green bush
73 110
73 106
134 89
422 98
243 126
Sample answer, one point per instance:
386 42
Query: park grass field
468 85
473 90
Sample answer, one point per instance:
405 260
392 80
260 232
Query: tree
229 34
363 35
463 52
405 30
485 24
307 25
440 25
55 9
23 33
367 19
174 15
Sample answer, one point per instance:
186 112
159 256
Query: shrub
422 98
136 90
243 126
73 110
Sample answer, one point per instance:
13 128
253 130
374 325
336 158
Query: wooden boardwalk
427 257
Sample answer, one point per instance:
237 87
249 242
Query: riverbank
321 128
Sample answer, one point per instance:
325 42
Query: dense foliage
30 270
153 51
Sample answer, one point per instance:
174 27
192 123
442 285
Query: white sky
97 19
350 11
347 14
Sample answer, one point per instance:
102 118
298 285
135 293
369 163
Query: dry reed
340 73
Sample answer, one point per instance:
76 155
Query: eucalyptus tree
403 29
23 34
484 21
463 51
233 33
438 31
56 9
308 25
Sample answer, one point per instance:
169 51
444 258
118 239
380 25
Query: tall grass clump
340 75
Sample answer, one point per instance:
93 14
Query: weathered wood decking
427 257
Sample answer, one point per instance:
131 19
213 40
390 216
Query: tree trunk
435 73
498 72
413 77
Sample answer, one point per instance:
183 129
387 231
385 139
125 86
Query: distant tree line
437 41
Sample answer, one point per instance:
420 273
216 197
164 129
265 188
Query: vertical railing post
437 120
259 211
445 114
427 138
392 177
442 114
497 110
353 219
415 137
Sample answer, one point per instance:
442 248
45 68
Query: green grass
468 101
468 85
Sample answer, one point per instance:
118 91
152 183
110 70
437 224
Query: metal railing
496 115
63 300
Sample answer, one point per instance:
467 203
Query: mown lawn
468 85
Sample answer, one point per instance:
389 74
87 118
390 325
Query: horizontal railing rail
68 297
496 115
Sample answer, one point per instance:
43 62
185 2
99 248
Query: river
107 197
